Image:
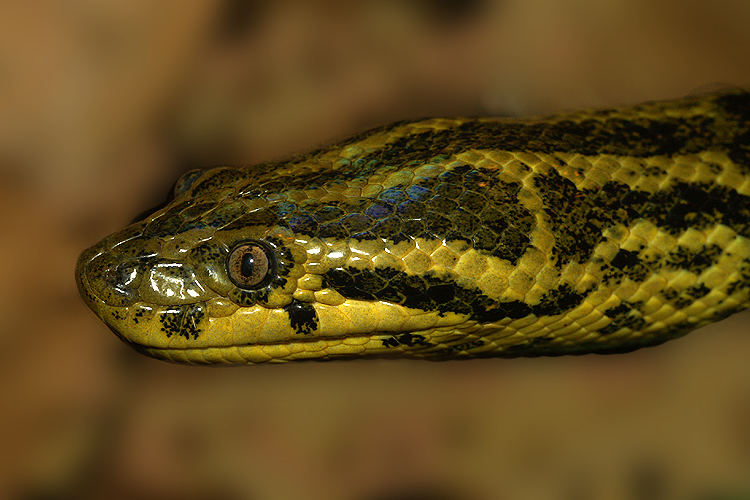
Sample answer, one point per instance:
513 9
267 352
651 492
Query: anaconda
584 232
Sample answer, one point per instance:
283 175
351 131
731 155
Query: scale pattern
596 231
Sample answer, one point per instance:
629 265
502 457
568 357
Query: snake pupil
248 265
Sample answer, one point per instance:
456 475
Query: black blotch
630 264
302 317
625 315
695 261
184 320
698 205
141 313
681 299
625 259
559 300
697 291
578 218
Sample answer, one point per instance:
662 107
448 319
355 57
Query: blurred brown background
105 103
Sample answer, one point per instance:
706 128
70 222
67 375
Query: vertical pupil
248 264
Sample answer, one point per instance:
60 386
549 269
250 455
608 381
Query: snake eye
249 264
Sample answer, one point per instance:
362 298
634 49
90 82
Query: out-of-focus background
103 104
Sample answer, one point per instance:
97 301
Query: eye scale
595 231
248 265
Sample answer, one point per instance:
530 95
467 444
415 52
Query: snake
594 231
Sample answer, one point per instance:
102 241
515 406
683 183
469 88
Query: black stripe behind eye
430 292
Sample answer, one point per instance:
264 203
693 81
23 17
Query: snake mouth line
258 344
304 349
301 342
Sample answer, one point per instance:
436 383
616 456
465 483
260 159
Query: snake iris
596 231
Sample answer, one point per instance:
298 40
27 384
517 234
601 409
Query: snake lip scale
595 231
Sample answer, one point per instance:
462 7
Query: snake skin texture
589 232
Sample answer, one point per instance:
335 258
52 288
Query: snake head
251 265
209 271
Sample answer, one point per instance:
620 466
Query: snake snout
114 283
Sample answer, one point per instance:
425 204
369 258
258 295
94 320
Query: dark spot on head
302 317
184 320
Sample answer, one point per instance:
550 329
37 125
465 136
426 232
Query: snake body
585 232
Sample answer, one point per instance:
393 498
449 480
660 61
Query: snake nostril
106 278
124 277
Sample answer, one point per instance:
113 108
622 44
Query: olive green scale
589 232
